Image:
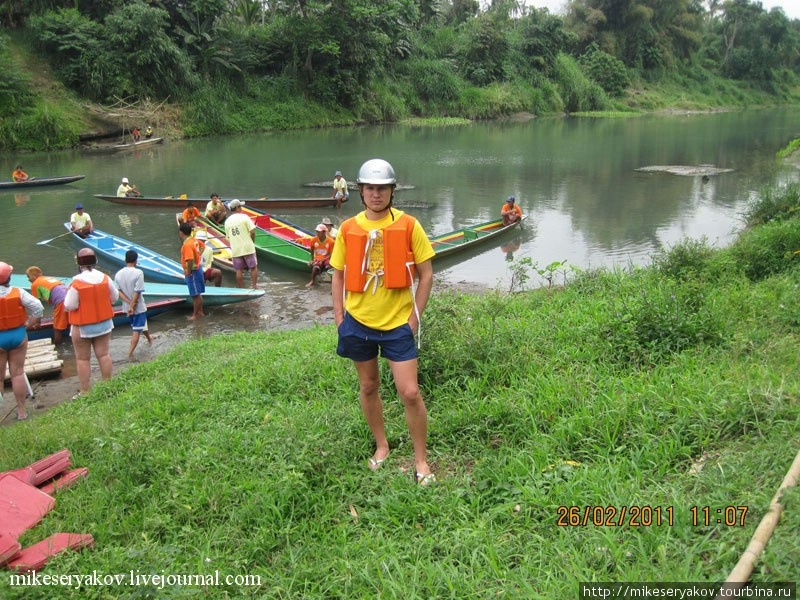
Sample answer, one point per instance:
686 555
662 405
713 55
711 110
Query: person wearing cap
377 256
148 133
241 233
321 249
53 291
510 212
88 304
190 215
332 231
340 191
80 222
18 311
130 283
192 273
210 274
215 210
126 190
19 175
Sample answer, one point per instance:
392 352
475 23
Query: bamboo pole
744 568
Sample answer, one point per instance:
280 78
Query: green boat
461 239
276 249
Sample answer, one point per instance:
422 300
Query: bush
577 91
664 317
606 70
774 205
686 260
15 91
768 249
434 80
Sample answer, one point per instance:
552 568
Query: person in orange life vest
18 310
375 257
88 305
190 214
52 291
210 274
510 212
192 271
321 249
19 175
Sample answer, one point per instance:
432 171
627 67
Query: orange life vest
12 313
398 256
94 305
48 283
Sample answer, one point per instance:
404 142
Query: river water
575 178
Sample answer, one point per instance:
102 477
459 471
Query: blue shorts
361 343
196 282
139 322
12 338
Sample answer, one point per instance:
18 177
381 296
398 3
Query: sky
790 7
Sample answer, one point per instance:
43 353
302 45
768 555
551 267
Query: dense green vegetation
673 386
240 65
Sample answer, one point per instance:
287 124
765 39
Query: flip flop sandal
425 480
375 464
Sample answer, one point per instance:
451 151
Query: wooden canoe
156 267
259 203
469 237
139 144
275 248
217 240
39 181
213 296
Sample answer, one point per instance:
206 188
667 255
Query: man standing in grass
375 258
130 282
241 233
192 271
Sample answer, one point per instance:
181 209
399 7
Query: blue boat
45 328
213 296
155 266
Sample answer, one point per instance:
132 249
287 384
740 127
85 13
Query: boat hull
180 203
139 144
154 265
456 241
213 296
40 181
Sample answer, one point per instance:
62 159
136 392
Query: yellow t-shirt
385 309
237 229
79 221
340 185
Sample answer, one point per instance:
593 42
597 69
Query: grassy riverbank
671 386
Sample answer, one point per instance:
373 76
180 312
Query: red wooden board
66 480
34 557
9 546
21 505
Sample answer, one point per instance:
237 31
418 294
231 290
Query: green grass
606 114
789 149
247 453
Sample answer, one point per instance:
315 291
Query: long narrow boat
177 202
38 181
350 185
139 144
461 239
278 249
213 296
155 307
155 266
217 240
280 227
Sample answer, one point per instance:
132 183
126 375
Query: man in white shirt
340 191
80 222
241 233
125 189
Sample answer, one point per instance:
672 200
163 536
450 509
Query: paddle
43 242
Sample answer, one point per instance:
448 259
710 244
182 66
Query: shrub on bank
768 249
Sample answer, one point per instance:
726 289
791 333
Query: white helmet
377 172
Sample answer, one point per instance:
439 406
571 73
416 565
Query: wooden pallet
41 359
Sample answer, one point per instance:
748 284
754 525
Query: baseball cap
327 221
124 180
235 203
321 227
510 199
338 174
78 206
